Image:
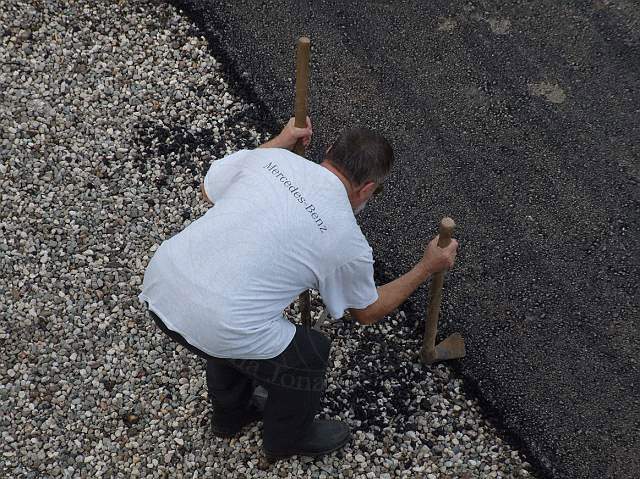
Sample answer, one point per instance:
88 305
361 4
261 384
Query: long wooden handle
303 53
302 88
447 225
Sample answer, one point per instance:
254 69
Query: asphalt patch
519 120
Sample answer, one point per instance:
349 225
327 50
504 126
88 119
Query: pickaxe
453 346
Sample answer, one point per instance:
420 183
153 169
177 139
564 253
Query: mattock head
450 348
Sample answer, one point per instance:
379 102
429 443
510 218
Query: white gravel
109 114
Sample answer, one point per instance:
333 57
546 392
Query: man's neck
329 166
347 185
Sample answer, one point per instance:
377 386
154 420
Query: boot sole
277 457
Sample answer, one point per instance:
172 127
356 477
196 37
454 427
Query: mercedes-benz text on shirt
296 193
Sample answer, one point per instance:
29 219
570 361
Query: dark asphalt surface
521 120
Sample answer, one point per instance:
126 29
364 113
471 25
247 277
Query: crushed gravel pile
110 112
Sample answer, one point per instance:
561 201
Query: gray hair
361 155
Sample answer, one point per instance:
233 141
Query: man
279 225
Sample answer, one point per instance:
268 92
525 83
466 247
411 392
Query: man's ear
368 188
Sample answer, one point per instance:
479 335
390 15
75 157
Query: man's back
280 225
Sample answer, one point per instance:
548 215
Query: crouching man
280 225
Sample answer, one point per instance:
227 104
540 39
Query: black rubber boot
226 427
323 437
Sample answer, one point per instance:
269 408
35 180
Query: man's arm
393 294
276 142
204 193
290 135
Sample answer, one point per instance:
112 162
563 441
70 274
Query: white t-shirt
280 225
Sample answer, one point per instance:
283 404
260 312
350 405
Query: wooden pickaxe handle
301 111
447 225
302 88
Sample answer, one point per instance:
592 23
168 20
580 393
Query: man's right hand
437 259
393 294
290 135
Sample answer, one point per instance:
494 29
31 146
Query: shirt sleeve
349 286
222 173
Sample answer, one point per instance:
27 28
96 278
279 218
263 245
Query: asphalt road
521 120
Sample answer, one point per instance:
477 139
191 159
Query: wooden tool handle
447 225
302 88
303 53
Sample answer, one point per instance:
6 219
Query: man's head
363 158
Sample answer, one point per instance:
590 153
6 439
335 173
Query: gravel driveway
110 112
